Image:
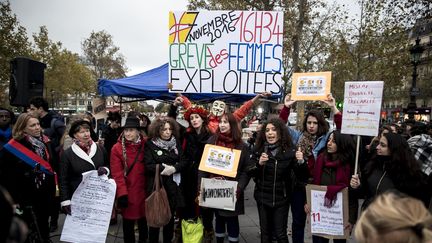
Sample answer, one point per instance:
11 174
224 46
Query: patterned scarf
306 144
225 140
84 146
38 145
166 144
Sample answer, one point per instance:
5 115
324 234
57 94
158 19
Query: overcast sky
139 27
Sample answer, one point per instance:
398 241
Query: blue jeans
232 226
298 200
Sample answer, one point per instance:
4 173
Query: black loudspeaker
26 80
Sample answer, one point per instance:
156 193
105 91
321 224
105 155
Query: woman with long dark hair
310 140
393 167
228 135
333 169
274 157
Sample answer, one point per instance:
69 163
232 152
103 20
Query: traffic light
339 104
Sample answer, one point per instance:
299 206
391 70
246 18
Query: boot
209 236
220 239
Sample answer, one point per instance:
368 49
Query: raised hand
288 102
330 101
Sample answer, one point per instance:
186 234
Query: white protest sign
362 107
91 205
218 193
328 222
233 52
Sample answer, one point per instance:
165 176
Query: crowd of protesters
37 147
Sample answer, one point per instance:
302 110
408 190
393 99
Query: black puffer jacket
273 180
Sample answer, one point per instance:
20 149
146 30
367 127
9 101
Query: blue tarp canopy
153 85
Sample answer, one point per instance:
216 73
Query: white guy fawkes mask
218 108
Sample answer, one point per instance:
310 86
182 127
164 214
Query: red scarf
225 140
342 177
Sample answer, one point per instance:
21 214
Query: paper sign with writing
324 221
311 86
232 52
220 160
362 107
91 206
218 193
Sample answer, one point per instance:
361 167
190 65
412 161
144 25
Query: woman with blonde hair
26 172
394 218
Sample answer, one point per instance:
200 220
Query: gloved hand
168 170
67 209
102 171
122 202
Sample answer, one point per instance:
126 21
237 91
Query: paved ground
249 224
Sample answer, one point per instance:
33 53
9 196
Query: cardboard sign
232 52
218 193
311 86
362 107
220 160
327 222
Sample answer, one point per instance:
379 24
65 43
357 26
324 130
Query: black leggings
129 230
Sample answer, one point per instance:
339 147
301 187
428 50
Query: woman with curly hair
274 157
163 148
393 167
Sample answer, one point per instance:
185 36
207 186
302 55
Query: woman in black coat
228 135
82 156
163 148
274 157
29 179
393 167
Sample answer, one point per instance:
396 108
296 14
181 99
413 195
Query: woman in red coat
127 170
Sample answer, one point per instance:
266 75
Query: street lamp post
415 52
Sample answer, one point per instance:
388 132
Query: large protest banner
311 86
220 160
91 205
362 107
328 222
234 52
